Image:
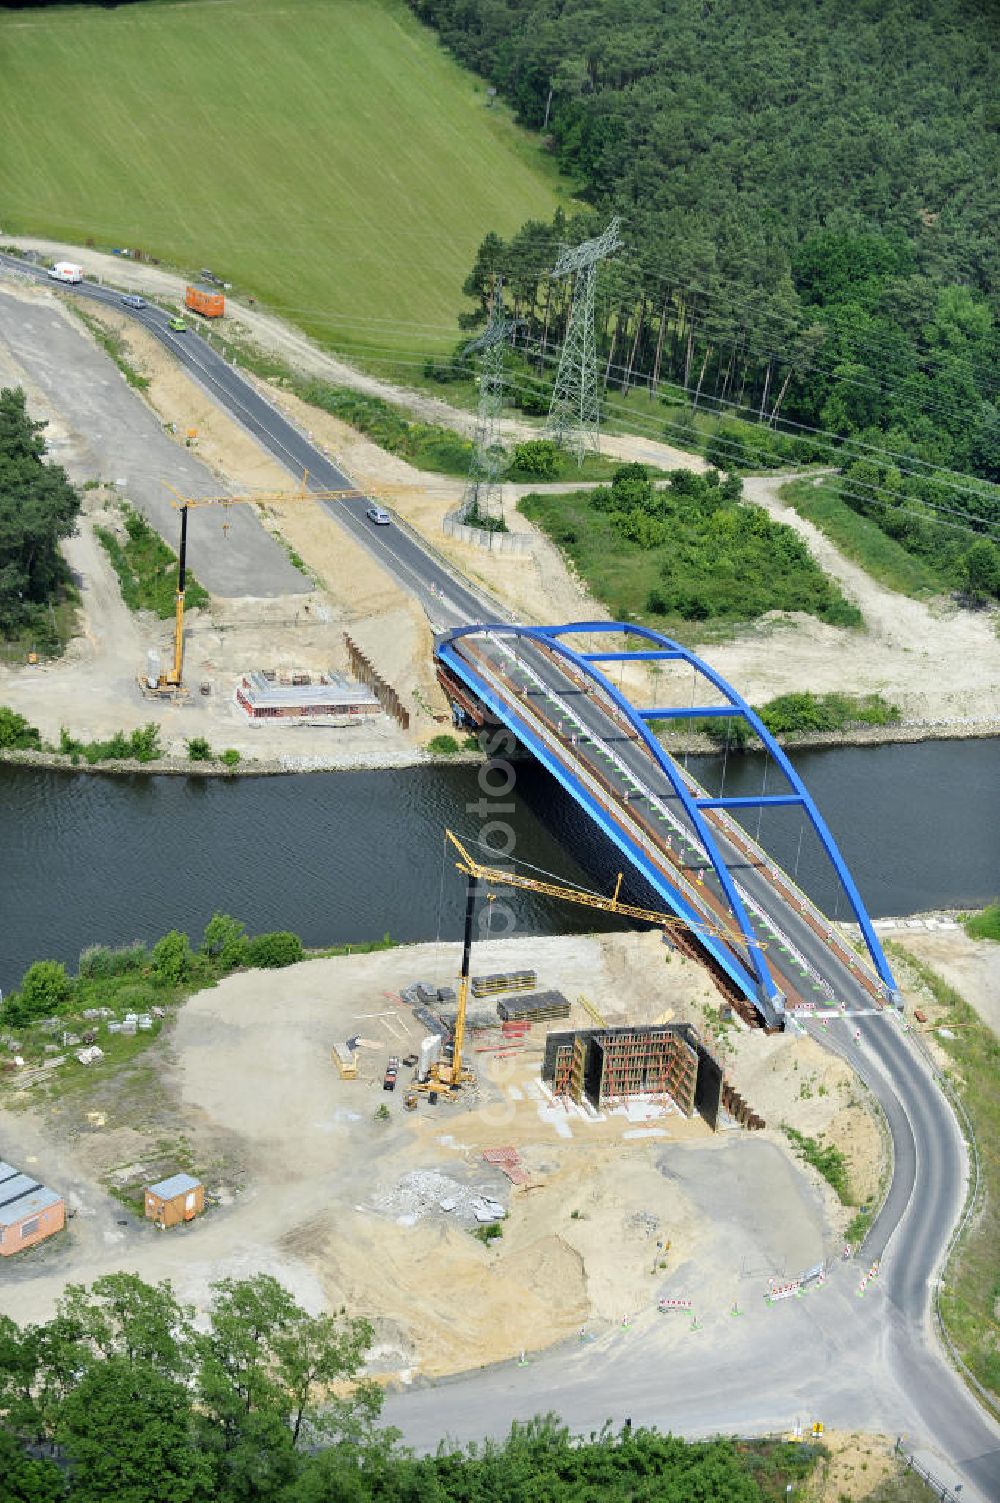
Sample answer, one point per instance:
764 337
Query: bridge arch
653 646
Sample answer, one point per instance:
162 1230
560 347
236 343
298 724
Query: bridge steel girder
665 648
509 716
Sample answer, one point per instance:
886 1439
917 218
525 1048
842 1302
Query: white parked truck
66 271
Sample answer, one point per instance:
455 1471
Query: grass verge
970 1290
430 447
826 1158
112 344
147 568
860 540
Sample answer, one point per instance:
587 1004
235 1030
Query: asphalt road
125 445
447 601
866 1364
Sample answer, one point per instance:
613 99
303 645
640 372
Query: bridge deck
598 755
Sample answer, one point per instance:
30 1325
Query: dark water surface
344 857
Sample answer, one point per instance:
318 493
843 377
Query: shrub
45 989
225 942
144 744
100 962
489 1232
442 746
484 521
172 957
985 925
536 459
139 998
230 756
279 948
15 732
198 749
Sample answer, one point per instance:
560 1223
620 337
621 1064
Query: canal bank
904 734
346 857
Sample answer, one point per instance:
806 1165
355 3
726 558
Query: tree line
38 508
807 217
123 1395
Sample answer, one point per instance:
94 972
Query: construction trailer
204 300
171 1201
29 1212
607 1065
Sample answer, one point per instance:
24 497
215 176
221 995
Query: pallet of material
504 981
541 1006
431 1021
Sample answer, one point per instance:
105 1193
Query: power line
575 411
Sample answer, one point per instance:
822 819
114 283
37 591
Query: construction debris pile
426 1192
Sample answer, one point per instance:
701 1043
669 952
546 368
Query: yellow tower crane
452 1077
171 681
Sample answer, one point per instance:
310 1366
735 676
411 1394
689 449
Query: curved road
871 1364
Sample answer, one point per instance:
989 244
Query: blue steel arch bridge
769 947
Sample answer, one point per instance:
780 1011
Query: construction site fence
366 673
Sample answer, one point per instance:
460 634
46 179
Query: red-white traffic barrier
783 1291
673 1304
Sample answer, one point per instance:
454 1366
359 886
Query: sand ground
93 688
308 1183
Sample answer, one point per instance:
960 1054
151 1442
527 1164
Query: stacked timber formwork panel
503 981
540 1007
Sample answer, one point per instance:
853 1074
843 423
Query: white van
66 271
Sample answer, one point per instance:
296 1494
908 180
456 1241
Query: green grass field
324 155
861 540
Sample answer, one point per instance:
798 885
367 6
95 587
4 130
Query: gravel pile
425 1192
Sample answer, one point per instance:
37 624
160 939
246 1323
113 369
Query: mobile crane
450 1077
171 682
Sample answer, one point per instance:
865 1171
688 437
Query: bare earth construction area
346 1207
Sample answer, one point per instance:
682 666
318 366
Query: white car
378 515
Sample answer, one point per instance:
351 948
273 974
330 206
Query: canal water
347 857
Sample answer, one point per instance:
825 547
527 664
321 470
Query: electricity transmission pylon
483 495
575 410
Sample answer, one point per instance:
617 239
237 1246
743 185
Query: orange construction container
205 300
